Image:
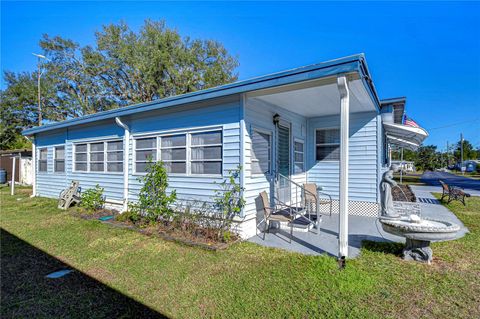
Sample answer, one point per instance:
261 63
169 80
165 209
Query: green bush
153 201
93 199
129 216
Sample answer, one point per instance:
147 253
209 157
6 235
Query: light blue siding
259 115
221 113
363 157
50 184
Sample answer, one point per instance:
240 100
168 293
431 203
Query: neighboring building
320 124
406 166
23 165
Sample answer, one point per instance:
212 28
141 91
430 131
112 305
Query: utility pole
447 156
461 154
39 56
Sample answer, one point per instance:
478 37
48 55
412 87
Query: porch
360 228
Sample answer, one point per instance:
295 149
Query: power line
454 124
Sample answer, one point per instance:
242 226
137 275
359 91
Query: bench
453 193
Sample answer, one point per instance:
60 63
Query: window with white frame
115 156
42 160
173 152
106 156
97 157
261 152
206 152
145 150
327 144
59 160
299 157
81 157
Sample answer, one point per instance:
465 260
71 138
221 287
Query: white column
126 155
12 185
34 168
344 137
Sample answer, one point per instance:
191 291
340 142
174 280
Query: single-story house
322 123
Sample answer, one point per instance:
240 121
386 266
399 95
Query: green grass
410 179
127 273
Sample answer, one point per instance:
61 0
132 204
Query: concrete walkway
360 228
469 184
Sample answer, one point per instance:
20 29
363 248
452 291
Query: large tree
469 151
123 67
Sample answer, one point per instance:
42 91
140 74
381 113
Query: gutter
126 153
320 70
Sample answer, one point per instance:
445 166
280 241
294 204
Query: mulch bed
406 196
202 237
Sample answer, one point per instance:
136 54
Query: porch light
276 119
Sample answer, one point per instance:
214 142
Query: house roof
354 63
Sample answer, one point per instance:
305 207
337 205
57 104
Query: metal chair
313 198
284 214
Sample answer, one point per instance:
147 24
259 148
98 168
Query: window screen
328 145
81 159
261 153
59 163
42 160
174 153
115 156
299 157
206 153
145 150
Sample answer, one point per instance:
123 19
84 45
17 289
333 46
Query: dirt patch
403 193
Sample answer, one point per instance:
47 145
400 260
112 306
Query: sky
426 51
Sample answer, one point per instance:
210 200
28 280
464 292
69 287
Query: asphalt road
431 178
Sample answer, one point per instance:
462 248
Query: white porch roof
408 137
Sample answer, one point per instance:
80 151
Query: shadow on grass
26 293
383 247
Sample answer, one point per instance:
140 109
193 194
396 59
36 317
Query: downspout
242 147
342 83
34 166
126 154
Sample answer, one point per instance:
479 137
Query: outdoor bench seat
453 193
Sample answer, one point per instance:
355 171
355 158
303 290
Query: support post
401 166
344 143
126 153
34 168
12 184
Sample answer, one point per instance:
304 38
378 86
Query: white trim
187 147
105 161
34 168
40 149
302 141
126 155
194 129
343 89
55 158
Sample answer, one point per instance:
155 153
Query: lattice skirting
358 208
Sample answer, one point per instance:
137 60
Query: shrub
93 199
228 203
129 216
153 201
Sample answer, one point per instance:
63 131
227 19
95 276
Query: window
206 153
173 152
328 144
299 157
145 150
59 162
261 153
115 156
81 157
99 157
42 160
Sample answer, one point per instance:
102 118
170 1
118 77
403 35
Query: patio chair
453 193
284 214
313 198
69 196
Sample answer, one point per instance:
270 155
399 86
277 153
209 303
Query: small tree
153 201
228 203
93 199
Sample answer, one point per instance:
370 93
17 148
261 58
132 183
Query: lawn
122 273
410 178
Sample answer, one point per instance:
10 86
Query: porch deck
360 228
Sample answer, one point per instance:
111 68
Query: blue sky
429 52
